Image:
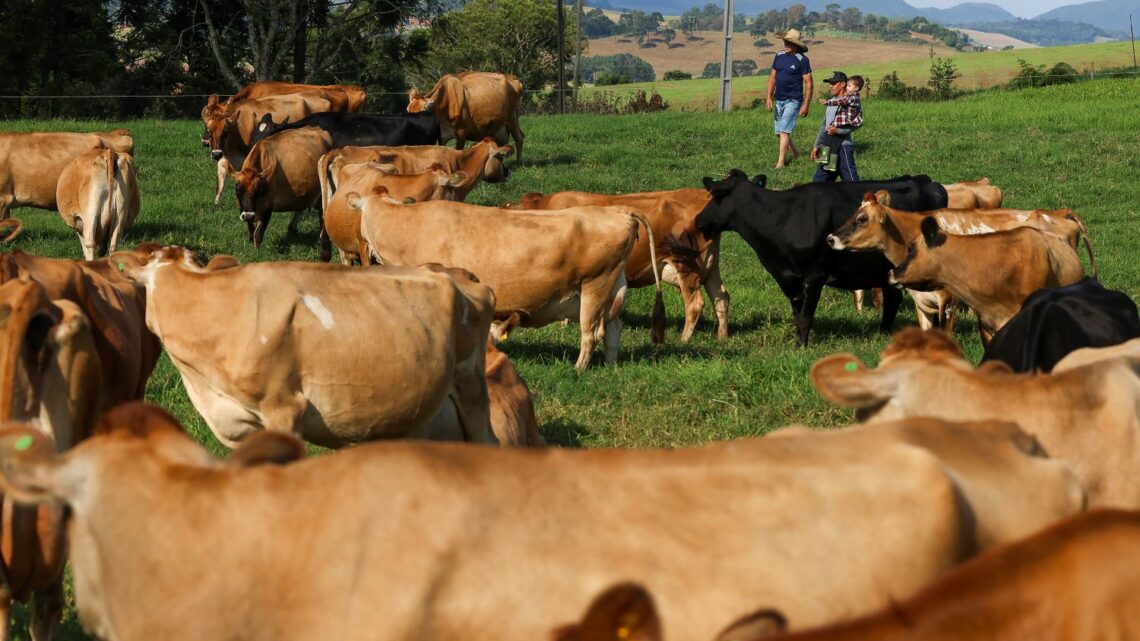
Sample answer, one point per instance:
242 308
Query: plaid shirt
850 112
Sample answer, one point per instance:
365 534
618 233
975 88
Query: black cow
1055 321
788 231
361 130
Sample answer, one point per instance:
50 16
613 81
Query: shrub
611 104
943 73
676 45
678 75
605 79
761 43
1037 76
621 65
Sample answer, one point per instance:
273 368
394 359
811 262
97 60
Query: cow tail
13 226
109 204
1072 215
326 182
657 320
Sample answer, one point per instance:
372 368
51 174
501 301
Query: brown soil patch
834 53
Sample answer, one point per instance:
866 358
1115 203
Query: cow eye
861 219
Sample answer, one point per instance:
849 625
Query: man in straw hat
790 84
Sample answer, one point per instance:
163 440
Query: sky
1019 8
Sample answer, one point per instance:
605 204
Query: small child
848 116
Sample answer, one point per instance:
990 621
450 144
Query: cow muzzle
835 242
247 216
216 154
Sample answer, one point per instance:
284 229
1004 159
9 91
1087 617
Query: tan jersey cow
473 105
1088 417
483 161
543 266
688 258
1070 582
98 196
345 97
280 174
992 273
1086 355
820 527
332 354
974 194
342 223
30 164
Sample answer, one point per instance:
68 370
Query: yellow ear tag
851 367
504 336
23 443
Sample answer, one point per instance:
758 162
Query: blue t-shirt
790 71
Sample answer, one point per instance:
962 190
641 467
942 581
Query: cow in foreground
543 266
788 231
98 196
1088 417
333 354
1070 582
425 524
31 163
473 105
992 273
688 258
1054 322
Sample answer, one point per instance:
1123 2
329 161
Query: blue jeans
846 164
787 113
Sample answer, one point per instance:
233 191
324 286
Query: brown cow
302 350
280 174
1088 417
342 223
345 97
98 196
427 524
484 161
1070 582
992 273
472 106
688 258
543 266
976 194
30 164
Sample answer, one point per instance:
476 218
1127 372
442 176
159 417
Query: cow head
210 112
218 131
868 228
530 200
623 612
417 102
717 216
920 270
252 190
494 169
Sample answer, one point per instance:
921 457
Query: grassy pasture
1073 146
979 70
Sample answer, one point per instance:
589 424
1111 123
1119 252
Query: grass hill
1110 15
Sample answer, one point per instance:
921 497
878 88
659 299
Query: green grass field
1046 148
979 70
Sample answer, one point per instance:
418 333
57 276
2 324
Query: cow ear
212 101
457 179
718 189
624 612
932 234
30 470
844 380
267 448
884 197
758 625
503 152
222 261
868 197
761 181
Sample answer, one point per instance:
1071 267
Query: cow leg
47 611
259 231
6 205
517 134
717 292
892 299
223 170
250 226
948 313
858 293
690 284
591 315
323 240
296 221
472 405
812 290
5 611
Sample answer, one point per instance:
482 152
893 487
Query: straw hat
793 36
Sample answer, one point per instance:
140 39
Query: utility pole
577 50
1133 34
561 60
726 62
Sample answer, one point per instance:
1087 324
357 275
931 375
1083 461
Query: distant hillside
1110 15
1047 33
966 13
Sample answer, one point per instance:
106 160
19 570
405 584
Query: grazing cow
543 266
689 259
229 132
360 130
1054 322
1088 417
347 97
280 174
472 106
115 309
875 226
484 161
30 164
301 343
1085 355
98 196
342 223
1070 582
427 524
992 273
788 231
976 194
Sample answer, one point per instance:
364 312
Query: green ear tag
120 267
851 367
23 443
